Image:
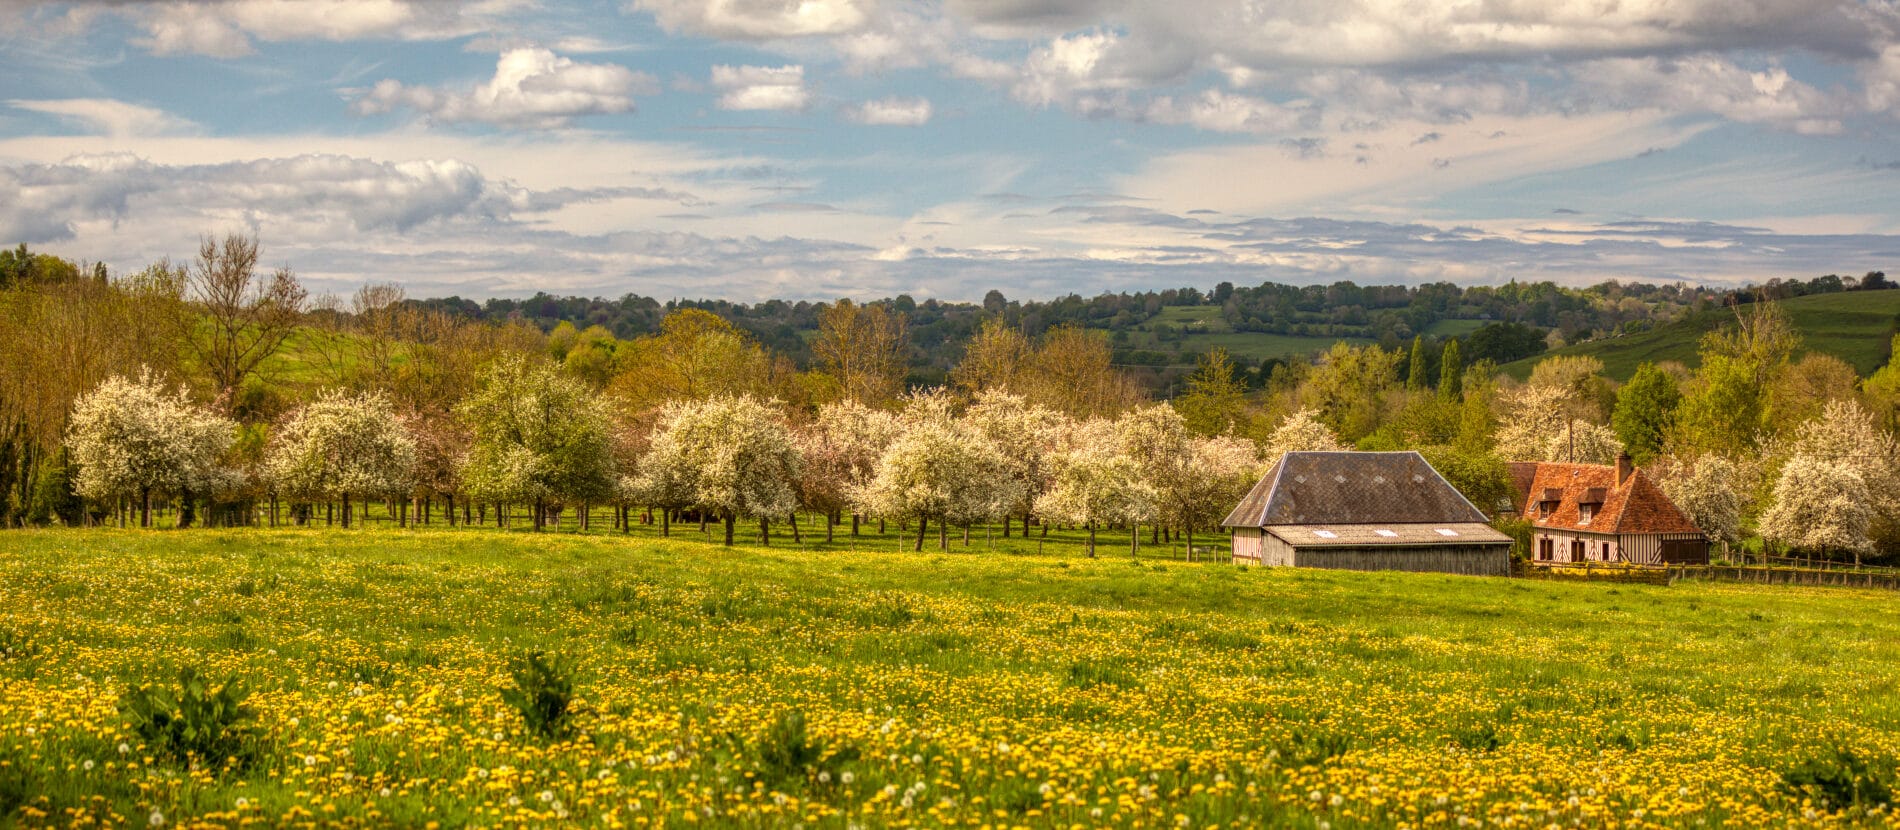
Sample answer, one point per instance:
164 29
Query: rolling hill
1854 326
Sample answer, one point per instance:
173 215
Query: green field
831 687
1203 330
1853 326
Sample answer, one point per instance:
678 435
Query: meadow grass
826 686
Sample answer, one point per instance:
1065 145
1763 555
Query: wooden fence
1881 580
1877 579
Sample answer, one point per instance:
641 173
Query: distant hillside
1854 326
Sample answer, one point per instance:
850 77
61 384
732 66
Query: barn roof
1400 535
1636 505
1352 488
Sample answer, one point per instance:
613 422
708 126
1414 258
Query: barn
1364 511
1599 513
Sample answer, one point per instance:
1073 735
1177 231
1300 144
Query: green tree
1451 372
1415 375
1645 407
1215 402
539 437
1721 412
1347 388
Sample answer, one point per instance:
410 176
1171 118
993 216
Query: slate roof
1404 535
1352 488
1637 506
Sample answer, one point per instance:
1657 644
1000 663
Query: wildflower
847 777
124 747
87 765
243 802
156 819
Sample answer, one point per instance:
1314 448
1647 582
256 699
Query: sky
812 149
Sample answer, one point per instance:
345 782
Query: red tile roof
1637 506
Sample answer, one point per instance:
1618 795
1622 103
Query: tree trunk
966 535
1134 540
729 520
797 539
1006 521
943 535
765 531
831 522
666 522
145 507
1187 532
854 525
920 532
540 515
1045 528
346 511
187 510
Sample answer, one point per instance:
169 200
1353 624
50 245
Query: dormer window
1585 512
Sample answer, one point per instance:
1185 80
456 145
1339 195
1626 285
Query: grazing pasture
478 677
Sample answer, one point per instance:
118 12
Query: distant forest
1505 322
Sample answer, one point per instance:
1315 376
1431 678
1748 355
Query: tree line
219 387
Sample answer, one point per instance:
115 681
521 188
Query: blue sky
750 149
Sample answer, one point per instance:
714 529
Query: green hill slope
1854 327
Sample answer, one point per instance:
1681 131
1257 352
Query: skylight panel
1445 531
1325 534
1387 534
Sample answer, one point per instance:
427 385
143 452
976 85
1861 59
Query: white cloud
231 28
346 194
761 87
757 19
109 117
1881 77
1218 111
532 87
894 111
1707 83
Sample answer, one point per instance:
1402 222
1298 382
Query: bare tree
245 318
863 347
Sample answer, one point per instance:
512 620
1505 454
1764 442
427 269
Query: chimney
1623 468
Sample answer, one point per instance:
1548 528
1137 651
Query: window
1445 531
1387 534
1325 534
1585 512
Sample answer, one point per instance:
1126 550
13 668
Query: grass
1853 326
832 685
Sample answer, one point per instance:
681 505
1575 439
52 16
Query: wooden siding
1247 545
1253 547
1476 560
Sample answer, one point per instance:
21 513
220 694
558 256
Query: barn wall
1477 560
1247 545
1276 552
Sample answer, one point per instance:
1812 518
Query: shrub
194 721
16 645
543 692
787 752
1841 779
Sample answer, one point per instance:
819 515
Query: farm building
1597 513
1365 511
